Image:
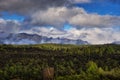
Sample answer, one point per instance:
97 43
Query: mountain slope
116 42
24 38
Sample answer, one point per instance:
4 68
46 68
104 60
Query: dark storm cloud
23 6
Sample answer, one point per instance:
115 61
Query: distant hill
116 42
24 38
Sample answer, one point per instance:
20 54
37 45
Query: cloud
96 35
29 6
55 13
81 1
95 20
55 16
49 32
92 35
9 26
74 16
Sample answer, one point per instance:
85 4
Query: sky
95 21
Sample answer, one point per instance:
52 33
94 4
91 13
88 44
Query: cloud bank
74 16
92 35
81 1
9 26
29 6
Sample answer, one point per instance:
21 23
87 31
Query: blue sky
102 8
12 16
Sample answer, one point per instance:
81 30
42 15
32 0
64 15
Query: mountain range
24 38
116 42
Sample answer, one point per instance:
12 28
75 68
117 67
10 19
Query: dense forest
70 62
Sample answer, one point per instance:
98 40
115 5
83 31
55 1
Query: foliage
71 62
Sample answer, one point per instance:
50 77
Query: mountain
116 42
24 38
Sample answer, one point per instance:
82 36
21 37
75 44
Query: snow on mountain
23 41
24 38
3 35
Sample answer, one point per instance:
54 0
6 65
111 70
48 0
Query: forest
70 62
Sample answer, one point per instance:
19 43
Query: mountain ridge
25 38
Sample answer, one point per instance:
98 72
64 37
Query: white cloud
81 1
95 20
9 26
92 35
49 32
96 35
56 16
74 16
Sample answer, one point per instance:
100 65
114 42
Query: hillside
70 62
